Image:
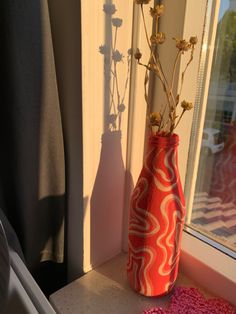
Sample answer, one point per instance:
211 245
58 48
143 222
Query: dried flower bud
186 105
177 99
153 12
142 1
155 118
138 54
157 11
117 22
193 40
161 37
182 44
153 40
160 9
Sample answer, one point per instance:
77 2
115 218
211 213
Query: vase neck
164 141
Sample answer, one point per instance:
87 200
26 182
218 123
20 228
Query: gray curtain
32 163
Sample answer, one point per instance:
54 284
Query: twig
145 27
168 120
179 119
183 73
152 56
174 68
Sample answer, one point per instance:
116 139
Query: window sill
106 290
219 278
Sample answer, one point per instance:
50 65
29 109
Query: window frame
199 120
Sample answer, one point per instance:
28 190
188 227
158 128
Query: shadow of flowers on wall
107 198
115 86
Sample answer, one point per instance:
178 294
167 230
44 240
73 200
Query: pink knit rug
191 301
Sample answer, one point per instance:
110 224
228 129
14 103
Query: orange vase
156 220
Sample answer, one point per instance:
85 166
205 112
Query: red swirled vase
156 219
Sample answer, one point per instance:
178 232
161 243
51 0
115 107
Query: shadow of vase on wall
107 201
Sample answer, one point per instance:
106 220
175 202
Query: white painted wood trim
201 102
210 268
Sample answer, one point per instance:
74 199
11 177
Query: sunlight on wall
106 39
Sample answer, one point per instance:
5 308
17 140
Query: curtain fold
32 162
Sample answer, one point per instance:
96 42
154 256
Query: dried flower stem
174 68
182 113
145 88
158 59
152 55
174 125
166 120
145 27
162 119
159 73
183 73
166 124
157 25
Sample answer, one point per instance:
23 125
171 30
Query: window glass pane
214 206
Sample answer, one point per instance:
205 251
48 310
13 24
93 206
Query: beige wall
104 163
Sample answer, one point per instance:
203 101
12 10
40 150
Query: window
214 197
